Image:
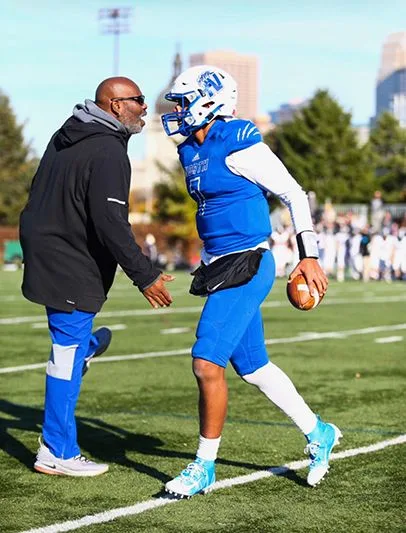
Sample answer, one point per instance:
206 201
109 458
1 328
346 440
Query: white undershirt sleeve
261 166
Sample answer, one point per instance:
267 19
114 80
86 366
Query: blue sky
53 54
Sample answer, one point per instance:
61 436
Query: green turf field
347 358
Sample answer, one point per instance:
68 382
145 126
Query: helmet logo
210 82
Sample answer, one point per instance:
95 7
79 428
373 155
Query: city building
287 111
391 83
362 132
159 148
263 123
243 68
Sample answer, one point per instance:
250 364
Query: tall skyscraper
391 84
243 68
393 55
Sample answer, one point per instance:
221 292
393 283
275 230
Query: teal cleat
320 443
198 477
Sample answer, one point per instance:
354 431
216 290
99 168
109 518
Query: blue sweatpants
230 326
72 342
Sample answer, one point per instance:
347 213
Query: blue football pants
72 342
230 326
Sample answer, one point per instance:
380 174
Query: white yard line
174 331
386 340
196 309
108 516
106 314
114 327
303 337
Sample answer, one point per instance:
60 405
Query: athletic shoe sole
188 496
54 470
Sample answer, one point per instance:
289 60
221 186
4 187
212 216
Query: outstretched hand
313 274
157 294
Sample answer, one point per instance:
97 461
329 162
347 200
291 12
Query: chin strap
307 245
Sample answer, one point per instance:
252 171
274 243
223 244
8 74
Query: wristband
307 245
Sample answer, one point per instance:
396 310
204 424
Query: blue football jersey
232 212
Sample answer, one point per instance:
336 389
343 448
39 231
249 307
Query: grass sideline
140 416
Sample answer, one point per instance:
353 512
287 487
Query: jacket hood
89 120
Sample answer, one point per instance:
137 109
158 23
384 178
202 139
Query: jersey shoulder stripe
239 134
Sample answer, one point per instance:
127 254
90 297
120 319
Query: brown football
299 294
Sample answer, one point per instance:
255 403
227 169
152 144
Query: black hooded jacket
74 229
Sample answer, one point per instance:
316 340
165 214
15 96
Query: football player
228 171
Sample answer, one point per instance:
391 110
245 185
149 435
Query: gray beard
133 127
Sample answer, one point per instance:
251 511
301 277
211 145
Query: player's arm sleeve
108 193
260 165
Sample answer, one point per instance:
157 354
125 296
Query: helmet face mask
202 93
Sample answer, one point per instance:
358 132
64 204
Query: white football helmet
193 90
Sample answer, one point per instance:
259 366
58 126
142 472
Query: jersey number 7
197 195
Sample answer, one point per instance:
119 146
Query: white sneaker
78 466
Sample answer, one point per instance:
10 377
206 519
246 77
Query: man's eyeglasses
140 99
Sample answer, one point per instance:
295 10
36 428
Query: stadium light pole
116 21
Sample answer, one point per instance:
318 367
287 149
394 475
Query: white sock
278 387
208 448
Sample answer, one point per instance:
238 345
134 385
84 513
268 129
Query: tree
320 149
387 144
17 165
173 205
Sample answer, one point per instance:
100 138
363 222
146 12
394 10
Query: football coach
74 232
